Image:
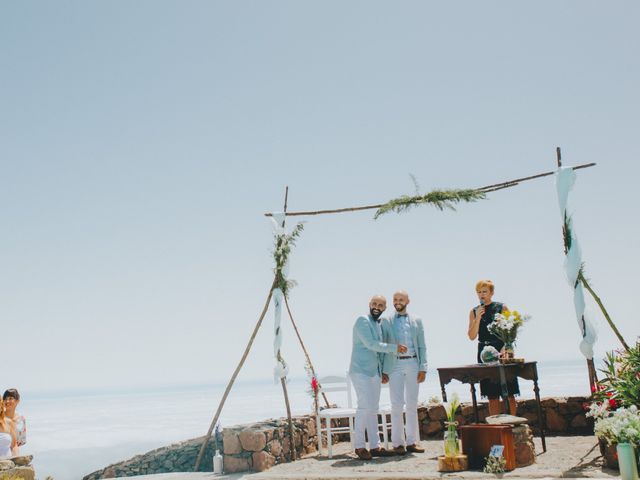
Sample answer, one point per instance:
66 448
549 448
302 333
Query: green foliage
440 199
621 382
495 465
283 244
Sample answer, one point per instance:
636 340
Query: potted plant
619 388
621 428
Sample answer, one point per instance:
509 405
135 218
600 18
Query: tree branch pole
304 349
485 189
233 378
604 310
283 380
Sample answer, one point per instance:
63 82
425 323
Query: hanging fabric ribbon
280 370
565 179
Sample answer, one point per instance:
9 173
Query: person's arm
474 322
21 431
14 442
422 351
363 332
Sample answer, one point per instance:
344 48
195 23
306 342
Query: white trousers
368 395
403 390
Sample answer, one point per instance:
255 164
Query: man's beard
400 308
373 313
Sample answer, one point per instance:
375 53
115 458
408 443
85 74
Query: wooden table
499 373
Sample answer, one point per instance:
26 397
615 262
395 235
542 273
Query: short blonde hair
485 283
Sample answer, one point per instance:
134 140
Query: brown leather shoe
363 454
415 449
381 452
400 450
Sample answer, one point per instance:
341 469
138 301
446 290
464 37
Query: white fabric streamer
277 220
565 179
280 370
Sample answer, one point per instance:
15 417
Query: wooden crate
477 440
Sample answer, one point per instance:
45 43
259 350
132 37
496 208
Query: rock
263 461
431 428
437 412
252 440
234 464
109 472
503 419
555 421
275 447
231 442
525 455
467 411
22 460
579 421
6 465
19 473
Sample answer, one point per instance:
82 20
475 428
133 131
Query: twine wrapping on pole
565 179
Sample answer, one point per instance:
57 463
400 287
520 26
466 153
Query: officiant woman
480 317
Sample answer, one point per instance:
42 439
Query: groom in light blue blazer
365 371
405 372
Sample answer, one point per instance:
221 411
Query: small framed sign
496 451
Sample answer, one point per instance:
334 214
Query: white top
402 329
5 445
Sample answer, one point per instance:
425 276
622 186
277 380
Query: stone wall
179 457
565 416
259 446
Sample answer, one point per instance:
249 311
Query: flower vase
451 444
609 454
627 461
508 351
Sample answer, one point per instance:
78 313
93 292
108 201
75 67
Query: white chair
343 384
334 384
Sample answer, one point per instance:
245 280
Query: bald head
377 305
400 301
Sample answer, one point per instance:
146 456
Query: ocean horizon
72 433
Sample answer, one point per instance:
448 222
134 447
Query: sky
142 142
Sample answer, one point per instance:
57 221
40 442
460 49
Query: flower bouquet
505 326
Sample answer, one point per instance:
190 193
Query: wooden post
283 381
304 349
233 378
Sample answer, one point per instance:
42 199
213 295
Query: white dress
5 445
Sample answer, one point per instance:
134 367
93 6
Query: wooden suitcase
477 440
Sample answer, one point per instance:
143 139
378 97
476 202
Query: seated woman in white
7 435
11 398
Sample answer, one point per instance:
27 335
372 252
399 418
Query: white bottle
217 463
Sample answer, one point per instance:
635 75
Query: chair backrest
334 383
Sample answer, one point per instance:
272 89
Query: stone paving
566 457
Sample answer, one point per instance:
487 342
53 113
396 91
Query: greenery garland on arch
441 199
281 251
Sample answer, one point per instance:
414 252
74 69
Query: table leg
504 390
542 420
475 402
444 393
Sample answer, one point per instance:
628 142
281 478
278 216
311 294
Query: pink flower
314 385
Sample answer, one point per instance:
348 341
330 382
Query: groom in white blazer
405 372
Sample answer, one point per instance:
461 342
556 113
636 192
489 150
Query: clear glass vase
451 444
508 351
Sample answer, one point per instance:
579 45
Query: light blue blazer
368 348
417 335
